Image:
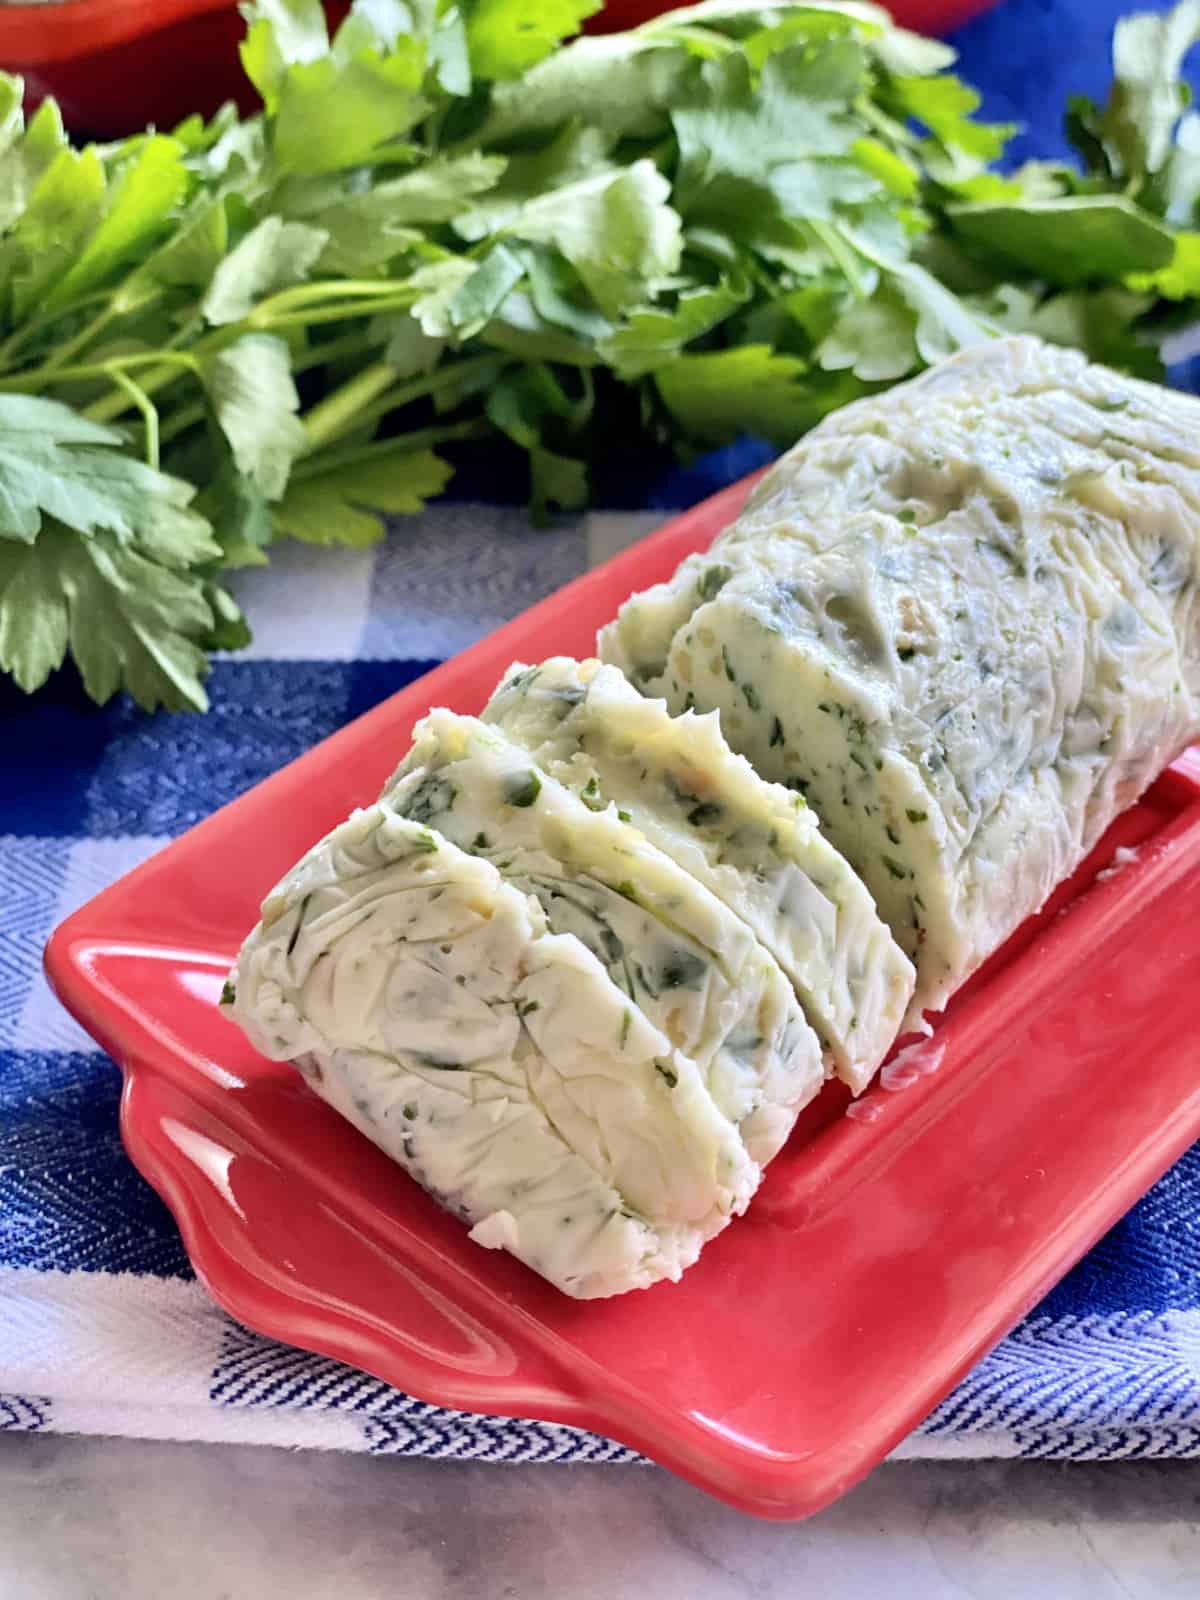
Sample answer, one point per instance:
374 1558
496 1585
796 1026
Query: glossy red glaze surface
886 1251
116 65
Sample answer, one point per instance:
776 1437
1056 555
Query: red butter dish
887 1250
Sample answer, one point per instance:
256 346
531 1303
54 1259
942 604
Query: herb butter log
756 846
961 619
424 998
693 967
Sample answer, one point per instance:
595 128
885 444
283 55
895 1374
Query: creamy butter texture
425 999
588 957
961 619
693 968
756 846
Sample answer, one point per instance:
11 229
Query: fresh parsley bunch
445 224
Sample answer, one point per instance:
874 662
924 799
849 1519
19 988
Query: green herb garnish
712 581
591 796
707 811
523 789
432 797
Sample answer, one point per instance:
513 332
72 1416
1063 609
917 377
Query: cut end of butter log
583 964
426 1000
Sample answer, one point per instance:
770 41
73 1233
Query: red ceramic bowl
116 65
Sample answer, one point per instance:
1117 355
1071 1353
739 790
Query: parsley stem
346 344
168 365
893 132
339 410
149 414
368 396
39 378
37 324
403 444
302 294
120 304
187 330
398 301
84 337
181 420
844 255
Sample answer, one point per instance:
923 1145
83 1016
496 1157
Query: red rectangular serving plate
886 1251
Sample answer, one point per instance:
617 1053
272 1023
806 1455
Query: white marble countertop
94 1519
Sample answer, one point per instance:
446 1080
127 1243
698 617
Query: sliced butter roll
1026 430
755 845
692 966
424 998
972 672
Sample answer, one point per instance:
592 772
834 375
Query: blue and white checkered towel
103 1328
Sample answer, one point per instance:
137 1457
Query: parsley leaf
368 227
65 206
1072 240
507 37
281 34
753 387
946 106
56 464
255 402
139 205
94 556
25 153
745 145
875 339
575 152
621 84
336 115
330 506
616 229
651 335
1148 93
274 255
531 408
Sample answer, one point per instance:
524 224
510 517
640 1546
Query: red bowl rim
33 35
